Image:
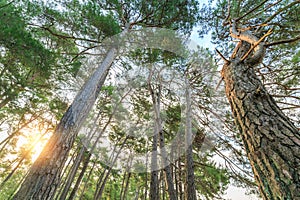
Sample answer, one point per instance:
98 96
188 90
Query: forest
122 99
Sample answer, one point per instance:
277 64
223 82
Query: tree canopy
110 100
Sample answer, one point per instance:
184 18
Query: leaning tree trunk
72 174
99 191
85 164
44 175
271 141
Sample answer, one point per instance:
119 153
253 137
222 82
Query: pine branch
247 13
226 21
281 10
5 5
225 60
257 43
283 41
226 63
247 36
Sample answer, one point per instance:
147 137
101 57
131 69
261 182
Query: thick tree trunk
44 176
271 141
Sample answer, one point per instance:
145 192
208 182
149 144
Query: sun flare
32 140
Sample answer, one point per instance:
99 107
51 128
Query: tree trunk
72 173
180 180
99 192
65 173
146 181
271 141
163 182
189 162
154 190
86 183
154 172
159 131
122 185
86 160
167 170
126 186
44 175
85 155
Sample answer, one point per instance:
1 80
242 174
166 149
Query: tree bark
86 183
86 160
154 190
44 175
159 131
153 193
99 192
126 186
271 141
72 173
189 162
180 180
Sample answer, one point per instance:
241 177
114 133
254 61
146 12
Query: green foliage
10 187
109 89
92 13
57 106
173 118
177 15
212 180
20 44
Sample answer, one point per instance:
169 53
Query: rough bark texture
271 141
44 176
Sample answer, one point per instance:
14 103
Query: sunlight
32 140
